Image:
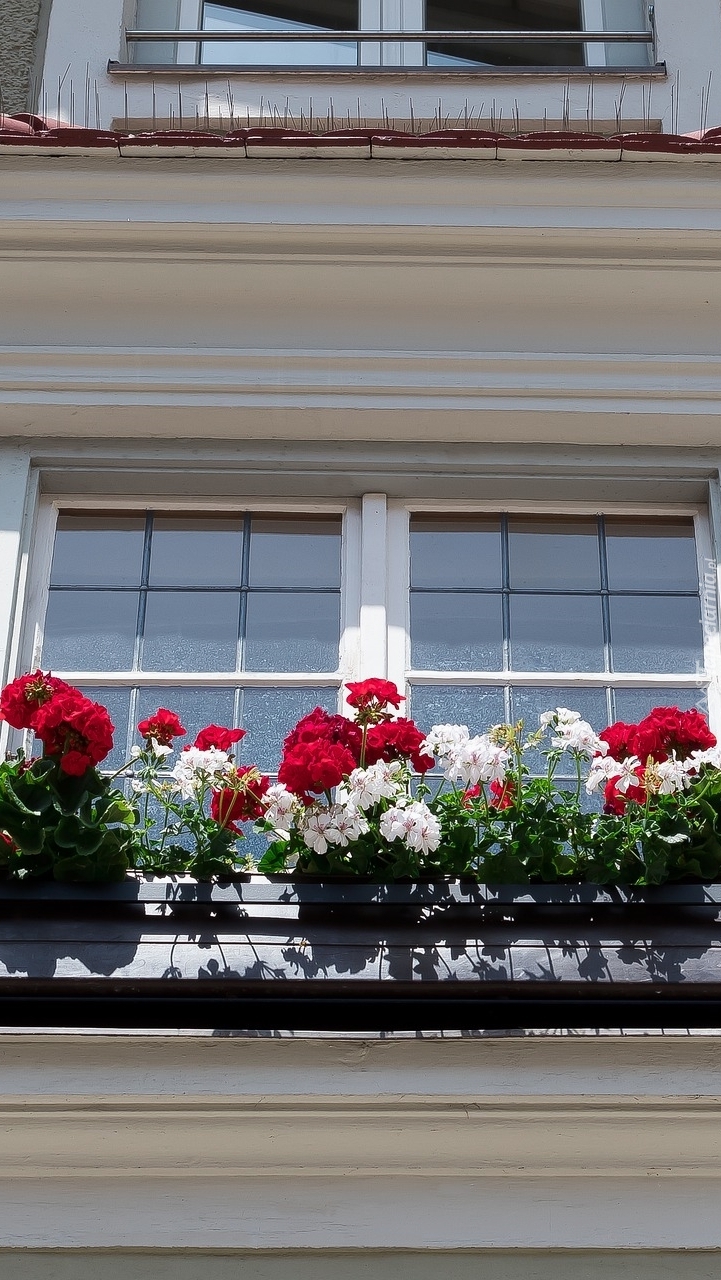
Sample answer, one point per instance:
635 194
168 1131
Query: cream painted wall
366 1265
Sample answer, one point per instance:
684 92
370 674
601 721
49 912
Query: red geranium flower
163 726
667 729
21 700
241 802
382 692
397 740
615 801
315 766
503 794
77 730
619 737
319 726
215 736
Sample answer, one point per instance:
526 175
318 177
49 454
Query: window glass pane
633 704
191 631
270 714
98 551
292 631
556 633
456 632
195 707
196 553
90 630
456 553
117 702
651 555
459 704
295 553
655 633
558 555
529 705
279 16
505 15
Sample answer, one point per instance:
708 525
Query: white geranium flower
280 808
151 748
578 736
414 824
604 770
382 781
444 740
697 759
478 760
673 776
195 769
338 824
628 777
561 716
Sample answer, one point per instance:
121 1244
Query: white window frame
398 621
38 590
375 594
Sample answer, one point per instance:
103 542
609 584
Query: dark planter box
262 955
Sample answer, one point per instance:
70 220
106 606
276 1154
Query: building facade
361 357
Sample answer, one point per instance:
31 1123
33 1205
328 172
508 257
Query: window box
262 955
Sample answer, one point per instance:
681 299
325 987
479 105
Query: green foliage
60 826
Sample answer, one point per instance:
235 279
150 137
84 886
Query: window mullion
708 542
373 648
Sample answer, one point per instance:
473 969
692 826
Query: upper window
510 33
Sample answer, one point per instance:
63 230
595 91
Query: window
296 17
254 617
521 612
233 619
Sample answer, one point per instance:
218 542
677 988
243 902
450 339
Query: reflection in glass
651 555
633 705
270 714
556 633
555 555
295 553
278 16
98 551
191 631
518 15
653 633
478 708
196 708
456 632
529 704
292 631
456 553
90 630
196 553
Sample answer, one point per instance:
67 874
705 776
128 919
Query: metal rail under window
429 39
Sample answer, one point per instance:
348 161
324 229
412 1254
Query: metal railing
136 37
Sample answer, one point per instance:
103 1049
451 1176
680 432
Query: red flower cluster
77 730
315 766
68 724
319 726
215 736
397 740
162 726
663 731
21 701
241 802
373 692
